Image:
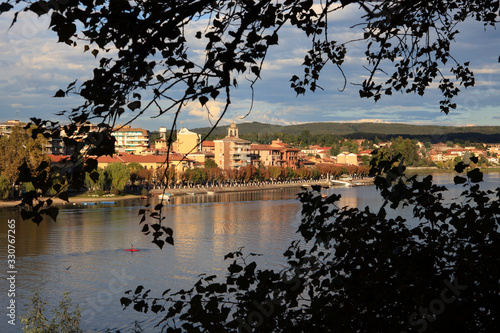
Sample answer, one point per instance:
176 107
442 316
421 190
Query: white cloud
34 66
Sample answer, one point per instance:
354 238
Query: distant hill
432 133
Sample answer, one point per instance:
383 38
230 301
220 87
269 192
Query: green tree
274 172
97 181
5 187
118 175
247 173
19 148
210 163
194 176
134 168
64 320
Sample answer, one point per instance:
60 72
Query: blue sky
34 67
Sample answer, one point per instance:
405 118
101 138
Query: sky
34 66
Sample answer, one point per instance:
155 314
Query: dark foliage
359 270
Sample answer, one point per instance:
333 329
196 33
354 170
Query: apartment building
232 152
6 127
130 140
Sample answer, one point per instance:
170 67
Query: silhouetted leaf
203 100
60 93
64 196
159 243
475 175
138 290
125 302
52 212
460 167
27 215
37 217
134 105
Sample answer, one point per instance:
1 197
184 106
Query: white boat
165 196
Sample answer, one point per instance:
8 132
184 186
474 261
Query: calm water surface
83 251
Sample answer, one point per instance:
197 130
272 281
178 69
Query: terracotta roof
208 144
58 158
129 158
263 147
143 131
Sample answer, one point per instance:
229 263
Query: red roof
208 144
58 158
129 158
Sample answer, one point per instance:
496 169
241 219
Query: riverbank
76 199
207 190
234 188
253 187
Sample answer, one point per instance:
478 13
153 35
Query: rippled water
83 251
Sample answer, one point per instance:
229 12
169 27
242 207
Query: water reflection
82 252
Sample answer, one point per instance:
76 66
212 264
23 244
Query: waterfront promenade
196 190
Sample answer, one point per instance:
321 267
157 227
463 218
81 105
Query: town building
347 158
268 155
277 153
131 140
6 127
188 141
208 146
232 152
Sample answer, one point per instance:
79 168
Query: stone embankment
186 190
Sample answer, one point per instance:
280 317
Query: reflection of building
232 152
349 200
131 140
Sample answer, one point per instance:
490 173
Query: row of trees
118 175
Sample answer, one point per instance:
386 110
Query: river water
83 252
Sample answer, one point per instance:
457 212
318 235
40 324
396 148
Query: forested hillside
431 133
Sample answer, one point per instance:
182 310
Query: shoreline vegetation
202 190
198 190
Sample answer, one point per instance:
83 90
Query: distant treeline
328 133
324 133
